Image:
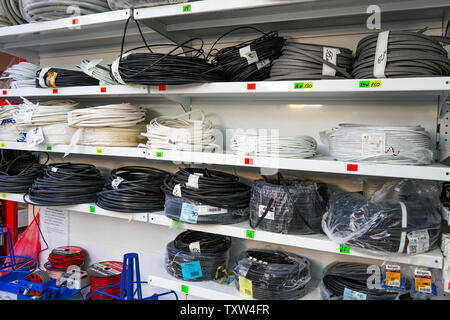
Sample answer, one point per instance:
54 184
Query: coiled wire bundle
181 133
393 54
133 189
249 60
66 184
406 145
349 281
18 170
311 61
57 77
125 4
22 74
287 206
264 146
48 10
202 196
196 256
96 71
43 113
12 10
272 275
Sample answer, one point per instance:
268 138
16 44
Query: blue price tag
191 270
189 213
354 295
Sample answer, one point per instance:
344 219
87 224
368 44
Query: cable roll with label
405 145
287 206
133 189
311 61
95 70
105 276
43 113
62 258
272 275
58 78
196 256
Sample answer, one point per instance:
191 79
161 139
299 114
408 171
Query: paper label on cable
381 55
115 69
194 247
373 143
35 136
177 190
246 287
193 181
247 53
270 214
209 210
330 55
90 67
353 295
419 241
189 213
54 169
262 64
191 270
116 182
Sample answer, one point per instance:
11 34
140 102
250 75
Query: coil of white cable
265 146
7 112
408 145
181 133
9 131
23 75
96 71
44 113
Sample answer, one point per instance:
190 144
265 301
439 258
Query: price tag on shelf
159 154
99 150
3 195
49 148
344 249
3 145
370 84
92 209
187 8
184 288
352 167
303 85
250 234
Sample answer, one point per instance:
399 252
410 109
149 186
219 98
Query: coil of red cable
104 274
63 257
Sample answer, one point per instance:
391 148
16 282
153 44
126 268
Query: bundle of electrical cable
22 74
95 70
405 145
182 132
392 54
126 4
349 281
133 189
298 147
115 125
57 78
402 217
66 184
196 256
202 196
18 170
4 21
12 10
48 10
311 61
272 275
249 60
287 206
64 257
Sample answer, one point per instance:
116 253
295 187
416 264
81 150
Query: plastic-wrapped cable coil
57 77
95 70
206 196
43 113
12 10
133 189
391 54
409 226
287 206
48 10
125 4
272 275
311 61
349 281
22 74
196 256
406 145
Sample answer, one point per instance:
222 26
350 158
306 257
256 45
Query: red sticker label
74 21
249 161
5 92
352 167
162 88
55 91
103 89
251 86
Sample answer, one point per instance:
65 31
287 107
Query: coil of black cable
196 256
66 184
250 60
350 281
274 275
18 170
306 61
288 206
133 189
56 77
409 54
214 196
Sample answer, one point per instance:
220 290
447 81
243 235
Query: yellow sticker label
2 144
375 84
422 284
309 85
393 278
99 150
246 287
4 195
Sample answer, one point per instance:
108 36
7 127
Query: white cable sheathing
96 71
23 75
7 112
9 131
407 145
43 113
181 133
265 146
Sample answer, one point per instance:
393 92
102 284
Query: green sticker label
344 249
49 148
299 85
364 84
175 224
159 154
92 209
250 234
187 8
184 288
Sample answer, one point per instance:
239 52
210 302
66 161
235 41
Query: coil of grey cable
125 4
311 61
394 54
12 11
48 10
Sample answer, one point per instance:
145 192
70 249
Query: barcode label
394 283
191 270
207 210
425 289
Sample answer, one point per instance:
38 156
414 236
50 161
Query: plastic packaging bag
297 206
424 283
395 277
402 217
125 4
48 10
